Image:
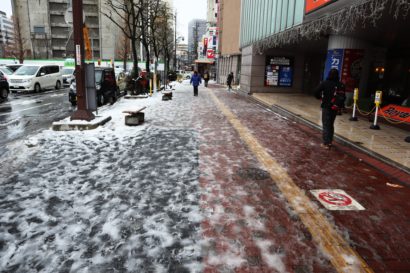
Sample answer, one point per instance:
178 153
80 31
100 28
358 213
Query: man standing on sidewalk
327 91
196 81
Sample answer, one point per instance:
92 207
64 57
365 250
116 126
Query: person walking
332 93
196 81
206 78
229 81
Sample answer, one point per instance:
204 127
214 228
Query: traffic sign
333 199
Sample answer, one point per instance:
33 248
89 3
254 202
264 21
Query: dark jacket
230 78
196 80
326 90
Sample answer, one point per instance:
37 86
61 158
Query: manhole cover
253 174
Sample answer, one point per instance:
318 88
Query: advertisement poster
312 5
334 59
352 68
210 54
279 71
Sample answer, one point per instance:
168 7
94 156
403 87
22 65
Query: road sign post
81 113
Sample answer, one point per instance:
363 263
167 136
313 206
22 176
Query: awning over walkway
205 61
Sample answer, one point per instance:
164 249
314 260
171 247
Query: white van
35 78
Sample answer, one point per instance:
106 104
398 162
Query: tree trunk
134 58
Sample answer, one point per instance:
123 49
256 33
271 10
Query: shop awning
205 61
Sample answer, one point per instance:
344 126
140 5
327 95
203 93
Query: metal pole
82 113
175 37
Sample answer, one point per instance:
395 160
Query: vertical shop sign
279 71
312 5
352 68
334 59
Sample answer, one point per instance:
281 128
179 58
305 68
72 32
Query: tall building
196 29
289 46
47 31
212 12
229 48
6 33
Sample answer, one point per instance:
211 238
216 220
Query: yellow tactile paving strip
388 142
340 254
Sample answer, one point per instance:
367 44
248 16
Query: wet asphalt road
24 114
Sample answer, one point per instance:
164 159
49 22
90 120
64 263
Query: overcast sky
186 11
6 6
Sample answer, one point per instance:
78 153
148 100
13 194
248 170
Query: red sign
210 54
335 198
311 5
352 68
399 113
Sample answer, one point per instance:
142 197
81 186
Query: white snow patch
271 259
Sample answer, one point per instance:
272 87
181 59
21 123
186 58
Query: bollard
355 98
377 101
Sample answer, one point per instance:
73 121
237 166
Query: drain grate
253 173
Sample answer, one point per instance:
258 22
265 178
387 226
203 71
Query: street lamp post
82 113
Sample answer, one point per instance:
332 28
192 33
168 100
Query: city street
214 183
25 113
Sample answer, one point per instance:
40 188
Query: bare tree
125 14
16 50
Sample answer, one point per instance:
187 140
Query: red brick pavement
250 227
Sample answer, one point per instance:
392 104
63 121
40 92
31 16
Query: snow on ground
114 199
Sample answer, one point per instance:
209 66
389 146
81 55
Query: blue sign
285 76
334 59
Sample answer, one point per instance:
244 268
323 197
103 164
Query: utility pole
175 39
82 113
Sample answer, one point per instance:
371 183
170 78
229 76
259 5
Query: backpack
339 97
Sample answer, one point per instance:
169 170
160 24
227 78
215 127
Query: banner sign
396 112
312 5
279 71
352 68
334 59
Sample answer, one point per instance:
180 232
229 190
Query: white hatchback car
35 78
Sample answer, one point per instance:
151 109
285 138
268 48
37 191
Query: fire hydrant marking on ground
324 234
336 200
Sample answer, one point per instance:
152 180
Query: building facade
196 29
47 31
289 46
6 34
229 57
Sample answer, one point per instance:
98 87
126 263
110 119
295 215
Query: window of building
39 29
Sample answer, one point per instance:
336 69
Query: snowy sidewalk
187 191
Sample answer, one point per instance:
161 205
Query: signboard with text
396 112
334 59
312 5
352 68
279 71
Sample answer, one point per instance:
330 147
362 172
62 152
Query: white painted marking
333 199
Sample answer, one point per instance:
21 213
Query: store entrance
393 77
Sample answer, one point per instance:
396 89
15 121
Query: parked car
14 67
4 88
105 85
36 78
5 72
68 75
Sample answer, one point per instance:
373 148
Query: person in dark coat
325 91
229 81
196 81
206 78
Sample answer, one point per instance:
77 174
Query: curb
387 166
81 126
